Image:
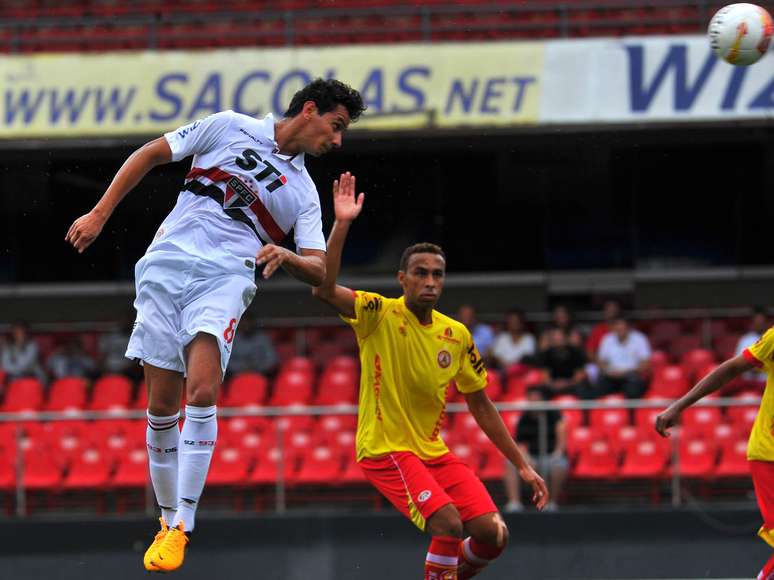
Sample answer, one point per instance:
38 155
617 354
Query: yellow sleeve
471 376
763 350
369 311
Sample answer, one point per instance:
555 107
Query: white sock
162 436
197 442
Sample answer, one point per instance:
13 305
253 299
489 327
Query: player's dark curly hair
327 94
421 248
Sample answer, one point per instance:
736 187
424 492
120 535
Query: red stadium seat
23 395
229 467
292 388
352 472
266 470
41 470
338 387
467 453
645 459
658 359
111 393
132 470
725 346
494 387
67 395
701 419
683 344
343 363
246 390
90 469
578 440
299 364
696 457
320 466
733 459
328 426
597 461
608 419
696 359
572 417
669 382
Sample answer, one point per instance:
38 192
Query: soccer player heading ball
409 353
246 189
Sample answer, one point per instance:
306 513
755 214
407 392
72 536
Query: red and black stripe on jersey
236 198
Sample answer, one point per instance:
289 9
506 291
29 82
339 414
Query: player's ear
309 109
401 277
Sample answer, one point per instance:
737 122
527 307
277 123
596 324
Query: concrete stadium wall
665 543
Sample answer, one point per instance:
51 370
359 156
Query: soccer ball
740 33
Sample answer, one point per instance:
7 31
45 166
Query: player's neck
285 134
423 314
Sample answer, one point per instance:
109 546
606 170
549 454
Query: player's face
423 279
323 133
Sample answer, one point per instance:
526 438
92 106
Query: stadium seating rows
83 25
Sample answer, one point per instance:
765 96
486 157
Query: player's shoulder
454 325
373 300
766 339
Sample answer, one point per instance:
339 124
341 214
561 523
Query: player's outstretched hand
273 256
346 206
539 489
666 420
84 231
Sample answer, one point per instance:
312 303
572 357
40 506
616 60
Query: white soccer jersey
241 188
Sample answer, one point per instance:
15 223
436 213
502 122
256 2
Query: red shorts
763 480
420 488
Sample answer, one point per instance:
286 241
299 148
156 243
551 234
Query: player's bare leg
445 526
165 388
197 443
488 538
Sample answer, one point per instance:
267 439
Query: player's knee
496 533
446 522
201 393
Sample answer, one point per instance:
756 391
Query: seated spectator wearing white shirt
19 356
758 325
483 335
623 359
514 344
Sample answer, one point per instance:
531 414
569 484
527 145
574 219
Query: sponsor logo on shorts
424 496
444 359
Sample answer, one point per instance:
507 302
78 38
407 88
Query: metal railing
280 487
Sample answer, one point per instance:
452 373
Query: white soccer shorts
179 296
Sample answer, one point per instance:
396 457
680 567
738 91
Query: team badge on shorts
444 359
424 496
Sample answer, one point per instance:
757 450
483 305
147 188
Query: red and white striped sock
768 570
441 561
474 557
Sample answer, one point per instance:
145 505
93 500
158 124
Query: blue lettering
276 101
407 88
23 105
458 92
642 96
117 103
69 104
765 98
492 90
162 90
521 83
733 88
237 106
188 129
373 90
208 98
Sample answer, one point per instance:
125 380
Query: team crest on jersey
448 336
238 194
444 359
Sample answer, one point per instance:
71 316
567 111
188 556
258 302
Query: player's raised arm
347 207
87 227
717 379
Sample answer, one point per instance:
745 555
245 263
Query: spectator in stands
253 350
563 319
70 359
483 335
19 356
611 310
758 325
515 345
554 463
111 349
565 365
624 360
